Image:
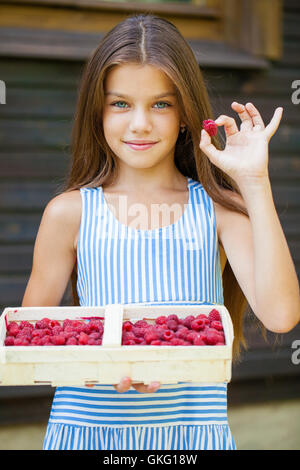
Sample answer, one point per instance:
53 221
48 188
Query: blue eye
159 102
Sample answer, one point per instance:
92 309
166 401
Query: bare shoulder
66 207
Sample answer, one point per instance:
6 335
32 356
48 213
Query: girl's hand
245 156
125 385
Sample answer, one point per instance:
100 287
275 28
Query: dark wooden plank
19 228
34 164
291 24
12 289
174 8
33 134
38 103
27 195
265 363
50 74
284 168
274 81
16 259
66 45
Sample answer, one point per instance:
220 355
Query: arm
54 255
260 259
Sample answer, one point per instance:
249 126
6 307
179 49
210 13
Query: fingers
228 123
151 388
245 117
208 148
256 117
271 128
126 383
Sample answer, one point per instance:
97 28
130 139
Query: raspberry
214 315
173 317
71 341
56 330
172 324
217 325
182 333
58 340
198 324
52 323
36 341
96 325
94 335
212 337
141 323
156 342
26 331
128 335
188 320
129 342
137 331
42 324
25 324
9 341
176 341
151 337
198 341
168 334
191 335
11 325
14 330
127 326
210 126
83 338
46 339
67 323
21 342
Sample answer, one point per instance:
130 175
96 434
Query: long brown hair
148 39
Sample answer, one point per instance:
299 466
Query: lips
140 146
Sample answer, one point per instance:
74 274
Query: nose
140 122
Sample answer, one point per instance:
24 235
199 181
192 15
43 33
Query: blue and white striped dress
175 264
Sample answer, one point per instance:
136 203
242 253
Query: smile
140 146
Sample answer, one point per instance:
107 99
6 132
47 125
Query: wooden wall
35 126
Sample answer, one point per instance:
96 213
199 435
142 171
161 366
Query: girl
136 139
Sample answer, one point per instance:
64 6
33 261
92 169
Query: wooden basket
109 362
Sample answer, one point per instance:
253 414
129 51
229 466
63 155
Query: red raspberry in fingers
210 126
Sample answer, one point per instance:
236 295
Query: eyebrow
162 95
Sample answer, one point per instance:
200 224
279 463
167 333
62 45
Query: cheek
113 125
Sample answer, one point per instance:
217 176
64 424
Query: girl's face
133 111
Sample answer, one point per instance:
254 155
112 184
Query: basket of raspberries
100 345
